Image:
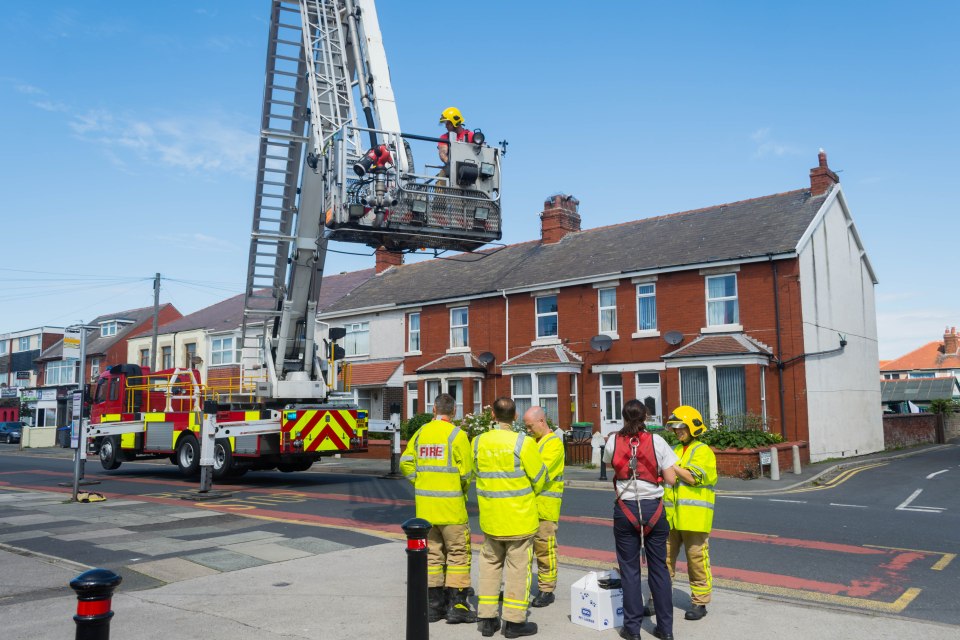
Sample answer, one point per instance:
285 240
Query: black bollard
417 626
603 466
94 594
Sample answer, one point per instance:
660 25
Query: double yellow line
839 479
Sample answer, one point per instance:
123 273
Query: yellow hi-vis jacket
510 474
438 463
690 507
553 453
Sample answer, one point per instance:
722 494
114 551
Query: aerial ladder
334 165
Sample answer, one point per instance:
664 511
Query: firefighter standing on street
510 474
689 505
553 452
438 462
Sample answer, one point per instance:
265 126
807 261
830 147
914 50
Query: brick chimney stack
950 341
387 259
560 216
821 177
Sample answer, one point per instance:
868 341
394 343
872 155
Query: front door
611 403
411 399
648 392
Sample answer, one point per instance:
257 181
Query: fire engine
323 174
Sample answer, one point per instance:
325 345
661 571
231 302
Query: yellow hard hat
685 416
452 115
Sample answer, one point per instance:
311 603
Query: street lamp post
80 455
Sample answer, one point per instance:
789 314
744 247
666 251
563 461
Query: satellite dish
601 343
485 358
673 337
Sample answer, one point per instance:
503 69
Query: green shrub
720 438
409 427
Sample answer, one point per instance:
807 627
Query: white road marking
794 501
737 497
905 505
936 473
854 506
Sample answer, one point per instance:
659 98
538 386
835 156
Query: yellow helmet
689 417
452 115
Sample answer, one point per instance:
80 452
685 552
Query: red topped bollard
417 625
94 597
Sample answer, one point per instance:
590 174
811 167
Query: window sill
613 335
722 328
412 353
545 342
646 333
458 350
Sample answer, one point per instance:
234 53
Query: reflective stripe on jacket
510 474
553 453
437 461
690 507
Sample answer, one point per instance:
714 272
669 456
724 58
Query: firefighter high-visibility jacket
438 463
690 507
553 453
510 474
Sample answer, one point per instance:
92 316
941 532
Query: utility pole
156 321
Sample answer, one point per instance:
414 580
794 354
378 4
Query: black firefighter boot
488 626
458 607
436 603
518 629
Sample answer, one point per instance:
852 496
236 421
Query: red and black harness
634 458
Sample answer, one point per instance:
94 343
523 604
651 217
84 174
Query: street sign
764 458
71 344
77 400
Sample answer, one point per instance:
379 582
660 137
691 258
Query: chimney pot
951 341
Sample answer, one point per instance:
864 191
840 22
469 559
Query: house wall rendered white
177 341
837 298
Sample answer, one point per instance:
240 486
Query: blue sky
130 129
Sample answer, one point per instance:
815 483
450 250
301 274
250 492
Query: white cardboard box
594 607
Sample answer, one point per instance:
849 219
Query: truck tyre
188 455
222 459
110 453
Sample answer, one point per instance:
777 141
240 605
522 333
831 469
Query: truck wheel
222 459
188 455
109 453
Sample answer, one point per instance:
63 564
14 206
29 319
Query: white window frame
218 348
477 396
144 357
538 315
535 396
59 372
94 368
3 347
166 357
108 329
431 389
350 343
649 332
23 344
729 326
413 346
574 401
610 331
462 331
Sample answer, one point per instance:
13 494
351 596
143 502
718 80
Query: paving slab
172 569
269 551
224 560
94 533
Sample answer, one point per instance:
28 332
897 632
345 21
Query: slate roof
97 344
454 362
554 354
227 315
750 228
919 389
727 344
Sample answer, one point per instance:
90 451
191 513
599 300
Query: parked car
10 432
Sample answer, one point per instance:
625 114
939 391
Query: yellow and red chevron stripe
322 429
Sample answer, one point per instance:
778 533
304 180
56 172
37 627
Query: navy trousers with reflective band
628 557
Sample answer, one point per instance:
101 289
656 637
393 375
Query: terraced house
759 313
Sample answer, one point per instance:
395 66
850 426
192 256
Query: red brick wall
739 463
908 429
681 306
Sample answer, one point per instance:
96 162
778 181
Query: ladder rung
282 135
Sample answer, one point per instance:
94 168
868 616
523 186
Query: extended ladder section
325 58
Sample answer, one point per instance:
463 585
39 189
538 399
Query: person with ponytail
641 463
